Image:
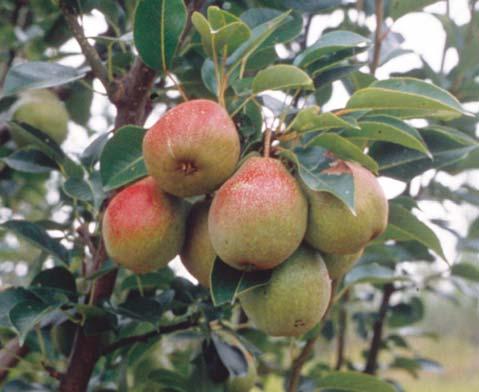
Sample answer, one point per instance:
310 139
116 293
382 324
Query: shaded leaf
281 77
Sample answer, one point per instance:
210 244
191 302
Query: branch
372 360
88 51
10 354
192 322
299 362
341 341
193 5
378 38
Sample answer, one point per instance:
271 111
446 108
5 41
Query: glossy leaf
281 77
78 188
25 315
38 74
227 282
311 119
353 382
157 31
121 161
30 161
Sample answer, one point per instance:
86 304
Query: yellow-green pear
198 255
295 299
339 265
332 226
43 110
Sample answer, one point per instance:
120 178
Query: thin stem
378 37
268 135
88 51
342 328
178 86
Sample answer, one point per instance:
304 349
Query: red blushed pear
144 227
258 217
192 149
333 228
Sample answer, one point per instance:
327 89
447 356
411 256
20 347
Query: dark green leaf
169 379
79 189
406 313
30 161
56 278
25 315
466 271
8 299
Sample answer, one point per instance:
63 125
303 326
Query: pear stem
268 136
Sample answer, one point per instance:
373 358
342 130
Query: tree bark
10 354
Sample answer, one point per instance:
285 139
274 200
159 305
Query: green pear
258 217
332 226
294 300
339 265
192 149
43 110
143 227
198 255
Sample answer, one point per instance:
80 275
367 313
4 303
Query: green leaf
281 77
389 129
159 280
157 30
169 379
227 282
49 147
231 357
38 237
372 273
121 161
30 161
466 271
79 189
311 119
146 309
329 43
407 98
288 31
353 382
258 36
8 299
406 313
38 74
310 163
25 315
404 226
56 278
398 8
344 149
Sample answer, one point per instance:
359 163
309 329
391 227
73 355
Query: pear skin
340 265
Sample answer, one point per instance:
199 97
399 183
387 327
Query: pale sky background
422 33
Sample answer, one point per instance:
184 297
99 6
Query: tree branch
88 51
192 322
10 354
372 360
299 362
378 37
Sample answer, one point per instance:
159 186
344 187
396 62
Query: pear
143 227
333 228
43 110
294 300
339 265
258 217
198 255
192 149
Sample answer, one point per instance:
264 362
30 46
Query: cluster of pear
260 217
43 110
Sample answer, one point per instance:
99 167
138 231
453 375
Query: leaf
329 43
407 98
49 147
92 153
404 226
232 357
398 8
158 27
311 119
170 379
310 163
56 278
281 77
406 313
121 161
227 282
8 299
30 161
372 273
258 36
466 271
353 382
38 74
146 309
159 280
344 149
389 129
79 189
25 315
38 237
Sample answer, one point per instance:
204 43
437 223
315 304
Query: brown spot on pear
294 300
333 228
198 255
43 110
143 227
339 265
192 149
258 217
